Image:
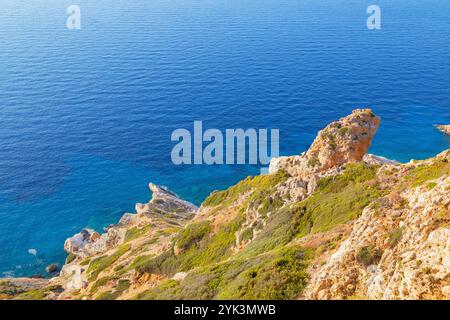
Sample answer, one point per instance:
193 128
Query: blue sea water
86 115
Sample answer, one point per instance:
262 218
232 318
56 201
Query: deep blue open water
86 116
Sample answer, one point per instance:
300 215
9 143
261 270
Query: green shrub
137 232
85 262
369 255
247 234
431 185
101 263
279 275
212 247
100 283
39 294
395 236
113 295
140 261
312 162
343 131
167 290
70 258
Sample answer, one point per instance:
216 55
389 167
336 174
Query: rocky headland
444 128
331 223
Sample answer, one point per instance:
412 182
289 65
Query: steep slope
332 223
400 246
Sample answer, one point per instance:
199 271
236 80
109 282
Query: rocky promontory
444 128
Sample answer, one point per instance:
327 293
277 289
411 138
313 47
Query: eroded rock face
342 141
393 252
163 211
89 243
345 140
444 128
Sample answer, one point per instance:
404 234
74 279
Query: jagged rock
378 160
88 242
76 243
444 128
131 219
52 268
166 201
94 236
345 140
73 277
106 241
342 141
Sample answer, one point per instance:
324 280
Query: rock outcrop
343 141
165 210
444 128
165 201
400 246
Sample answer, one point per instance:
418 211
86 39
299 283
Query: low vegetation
395 236
337 200
426 172
257 184
99 264
279 274
369 255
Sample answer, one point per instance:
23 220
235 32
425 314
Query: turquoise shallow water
86 116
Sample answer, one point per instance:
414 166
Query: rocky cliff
444 128
332 223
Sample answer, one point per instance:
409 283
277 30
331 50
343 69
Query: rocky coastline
331 223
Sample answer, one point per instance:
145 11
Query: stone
343 141
52 268
378 160
444 128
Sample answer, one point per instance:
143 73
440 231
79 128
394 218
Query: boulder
343 141
445 128
52 268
